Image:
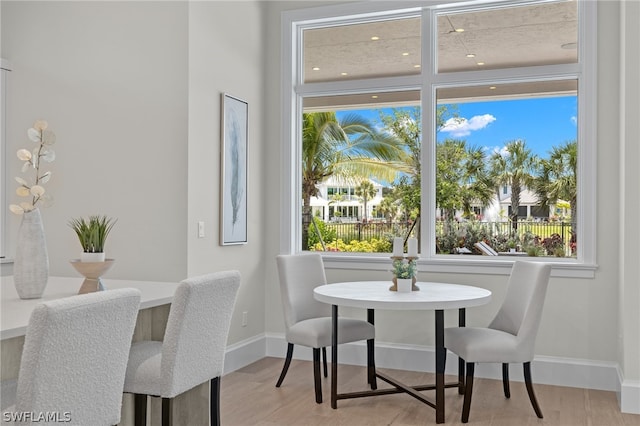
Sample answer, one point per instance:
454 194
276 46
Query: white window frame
5 68
294 90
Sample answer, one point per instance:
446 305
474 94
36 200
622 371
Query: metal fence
359 231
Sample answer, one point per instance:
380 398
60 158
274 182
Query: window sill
4 260
459 264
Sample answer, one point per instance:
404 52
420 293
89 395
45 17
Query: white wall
629 332
226 54
111 80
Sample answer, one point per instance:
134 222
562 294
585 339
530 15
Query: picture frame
233 170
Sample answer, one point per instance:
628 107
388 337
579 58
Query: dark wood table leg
440 365
371 363
461 363
334 356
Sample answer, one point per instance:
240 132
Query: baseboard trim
629 394
557 371
244 353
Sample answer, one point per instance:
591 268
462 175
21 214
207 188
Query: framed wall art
233 157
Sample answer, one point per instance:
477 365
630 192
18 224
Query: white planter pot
404 285
92 257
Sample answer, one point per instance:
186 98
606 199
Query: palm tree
366 191
388 207
350 148
515 165
557 180
461 178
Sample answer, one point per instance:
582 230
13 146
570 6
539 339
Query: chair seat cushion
316 332
143 370
475 344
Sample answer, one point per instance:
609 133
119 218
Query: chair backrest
75 356
521 310
299 275
195 339
485 249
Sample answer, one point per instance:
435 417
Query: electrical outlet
201 229
245 318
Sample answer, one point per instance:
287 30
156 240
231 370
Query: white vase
31 265
92 257
404 285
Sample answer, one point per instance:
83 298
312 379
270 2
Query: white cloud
574 120
462 127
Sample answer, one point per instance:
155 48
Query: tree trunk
306 221
515 205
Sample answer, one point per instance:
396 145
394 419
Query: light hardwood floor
249 397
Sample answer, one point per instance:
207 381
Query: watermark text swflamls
31 416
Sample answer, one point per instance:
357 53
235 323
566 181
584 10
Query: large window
451 124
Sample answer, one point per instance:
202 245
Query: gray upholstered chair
510 337
193 348
308 322
74 359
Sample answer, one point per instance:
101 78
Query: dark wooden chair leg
324 361
371 364
287 362
505 380
140 409
166 412
468 389
462 322
316 374
214 402
529 384
461 365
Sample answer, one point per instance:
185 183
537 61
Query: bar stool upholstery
511 336
193 348
308 322
74 359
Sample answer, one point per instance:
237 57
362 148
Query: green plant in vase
404 272
92 233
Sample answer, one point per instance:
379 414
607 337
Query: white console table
15 312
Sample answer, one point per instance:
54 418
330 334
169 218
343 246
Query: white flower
44 138
21 181
34 135
45 177
40 125
48 155
37 190
16 209
23 191
26 206
48 137
24 154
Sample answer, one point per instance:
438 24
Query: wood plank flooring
249 397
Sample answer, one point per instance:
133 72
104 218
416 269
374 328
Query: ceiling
504 37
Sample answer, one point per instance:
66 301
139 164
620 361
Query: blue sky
541 122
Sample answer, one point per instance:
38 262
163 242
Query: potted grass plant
92 233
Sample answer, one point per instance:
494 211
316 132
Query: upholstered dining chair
510 337
192 351
308 322
74 360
